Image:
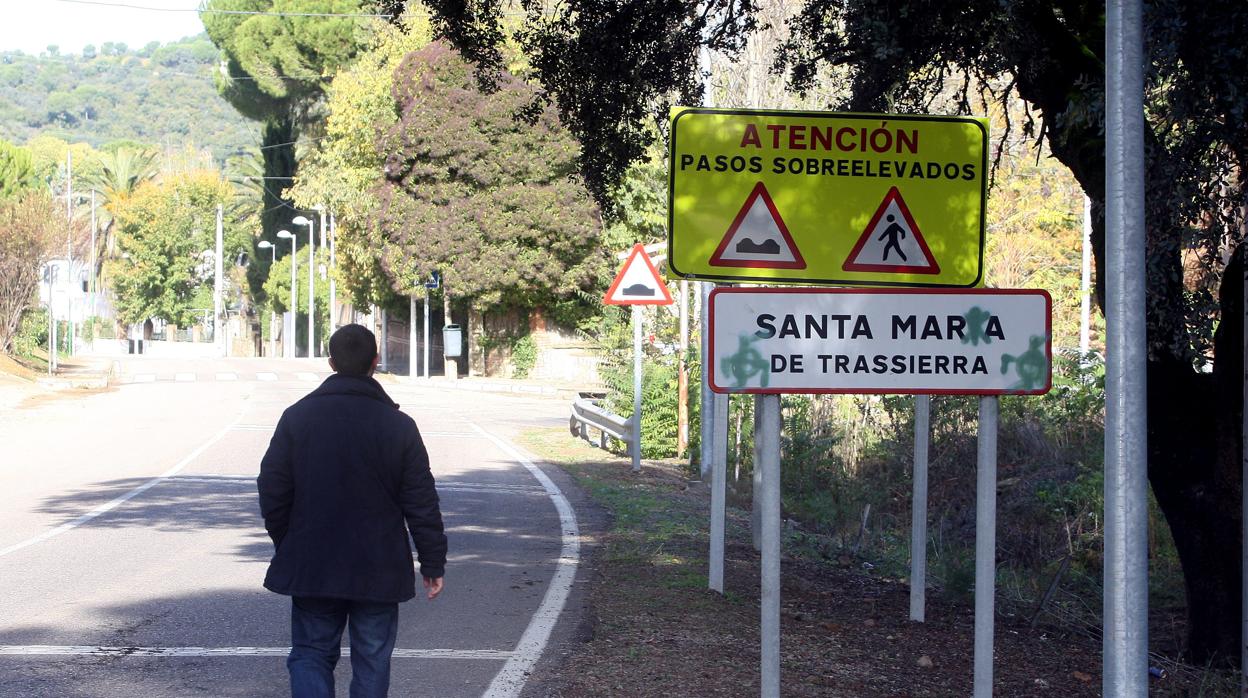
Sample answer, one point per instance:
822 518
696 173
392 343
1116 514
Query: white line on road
266 376
306 376
143 378
102 651
113 504
227 376
184 377
511 678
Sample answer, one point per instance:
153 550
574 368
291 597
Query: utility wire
101 3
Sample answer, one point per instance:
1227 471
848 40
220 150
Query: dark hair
352 349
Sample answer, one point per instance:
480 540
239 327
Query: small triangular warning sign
758 237
638 282
892 242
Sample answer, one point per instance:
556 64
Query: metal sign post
1125 647
918 510
719 492
636 443
985 544
706 446
768 438
637 284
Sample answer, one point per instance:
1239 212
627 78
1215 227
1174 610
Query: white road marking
118 501
227 376
306 376
266 376
184 377
143 378
254 427
511 678
103 651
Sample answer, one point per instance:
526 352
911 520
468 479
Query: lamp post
266 245
303 220
333 288
289 338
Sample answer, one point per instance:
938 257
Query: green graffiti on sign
746 363
976 321
1030 366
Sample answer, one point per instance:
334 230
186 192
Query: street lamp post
266 245
333 288
289 339
303 220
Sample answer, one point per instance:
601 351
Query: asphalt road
132 552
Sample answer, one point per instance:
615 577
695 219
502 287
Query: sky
31 25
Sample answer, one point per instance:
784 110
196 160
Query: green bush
32 334
523 356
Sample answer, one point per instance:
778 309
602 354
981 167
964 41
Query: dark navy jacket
345 471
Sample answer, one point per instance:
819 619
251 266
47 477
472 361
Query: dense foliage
29 230
157 94
485 199
165 235
275 71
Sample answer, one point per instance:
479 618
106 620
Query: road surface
132 552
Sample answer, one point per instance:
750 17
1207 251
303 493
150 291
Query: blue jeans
316 635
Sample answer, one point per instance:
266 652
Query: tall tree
165 239
17 171
485 199
275 65
608 64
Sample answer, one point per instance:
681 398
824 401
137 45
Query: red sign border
894 194
638 250
759 190
1048 341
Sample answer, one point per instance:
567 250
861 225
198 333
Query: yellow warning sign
827 198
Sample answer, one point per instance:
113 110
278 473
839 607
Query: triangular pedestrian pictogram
892 242
638 282
758 237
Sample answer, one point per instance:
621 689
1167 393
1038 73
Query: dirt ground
657 631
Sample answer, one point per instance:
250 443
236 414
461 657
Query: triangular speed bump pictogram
892 242
638 282
758 237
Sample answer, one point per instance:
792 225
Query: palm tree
121 172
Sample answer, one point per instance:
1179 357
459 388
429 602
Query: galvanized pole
636 444
311 291
719 499
412 337
218 285
428 337
69 248
768 437
289 339
384 341
918 510
682 375
985 544
91 302
1125 645
333 268
706 450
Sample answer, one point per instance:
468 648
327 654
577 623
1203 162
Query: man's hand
434 587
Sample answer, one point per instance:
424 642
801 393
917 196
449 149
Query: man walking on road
345 471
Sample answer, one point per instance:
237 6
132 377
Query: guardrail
585 414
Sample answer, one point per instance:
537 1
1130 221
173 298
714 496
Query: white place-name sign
954 341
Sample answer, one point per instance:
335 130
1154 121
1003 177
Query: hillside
158 94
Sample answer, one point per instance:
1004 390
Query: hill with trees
161 94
